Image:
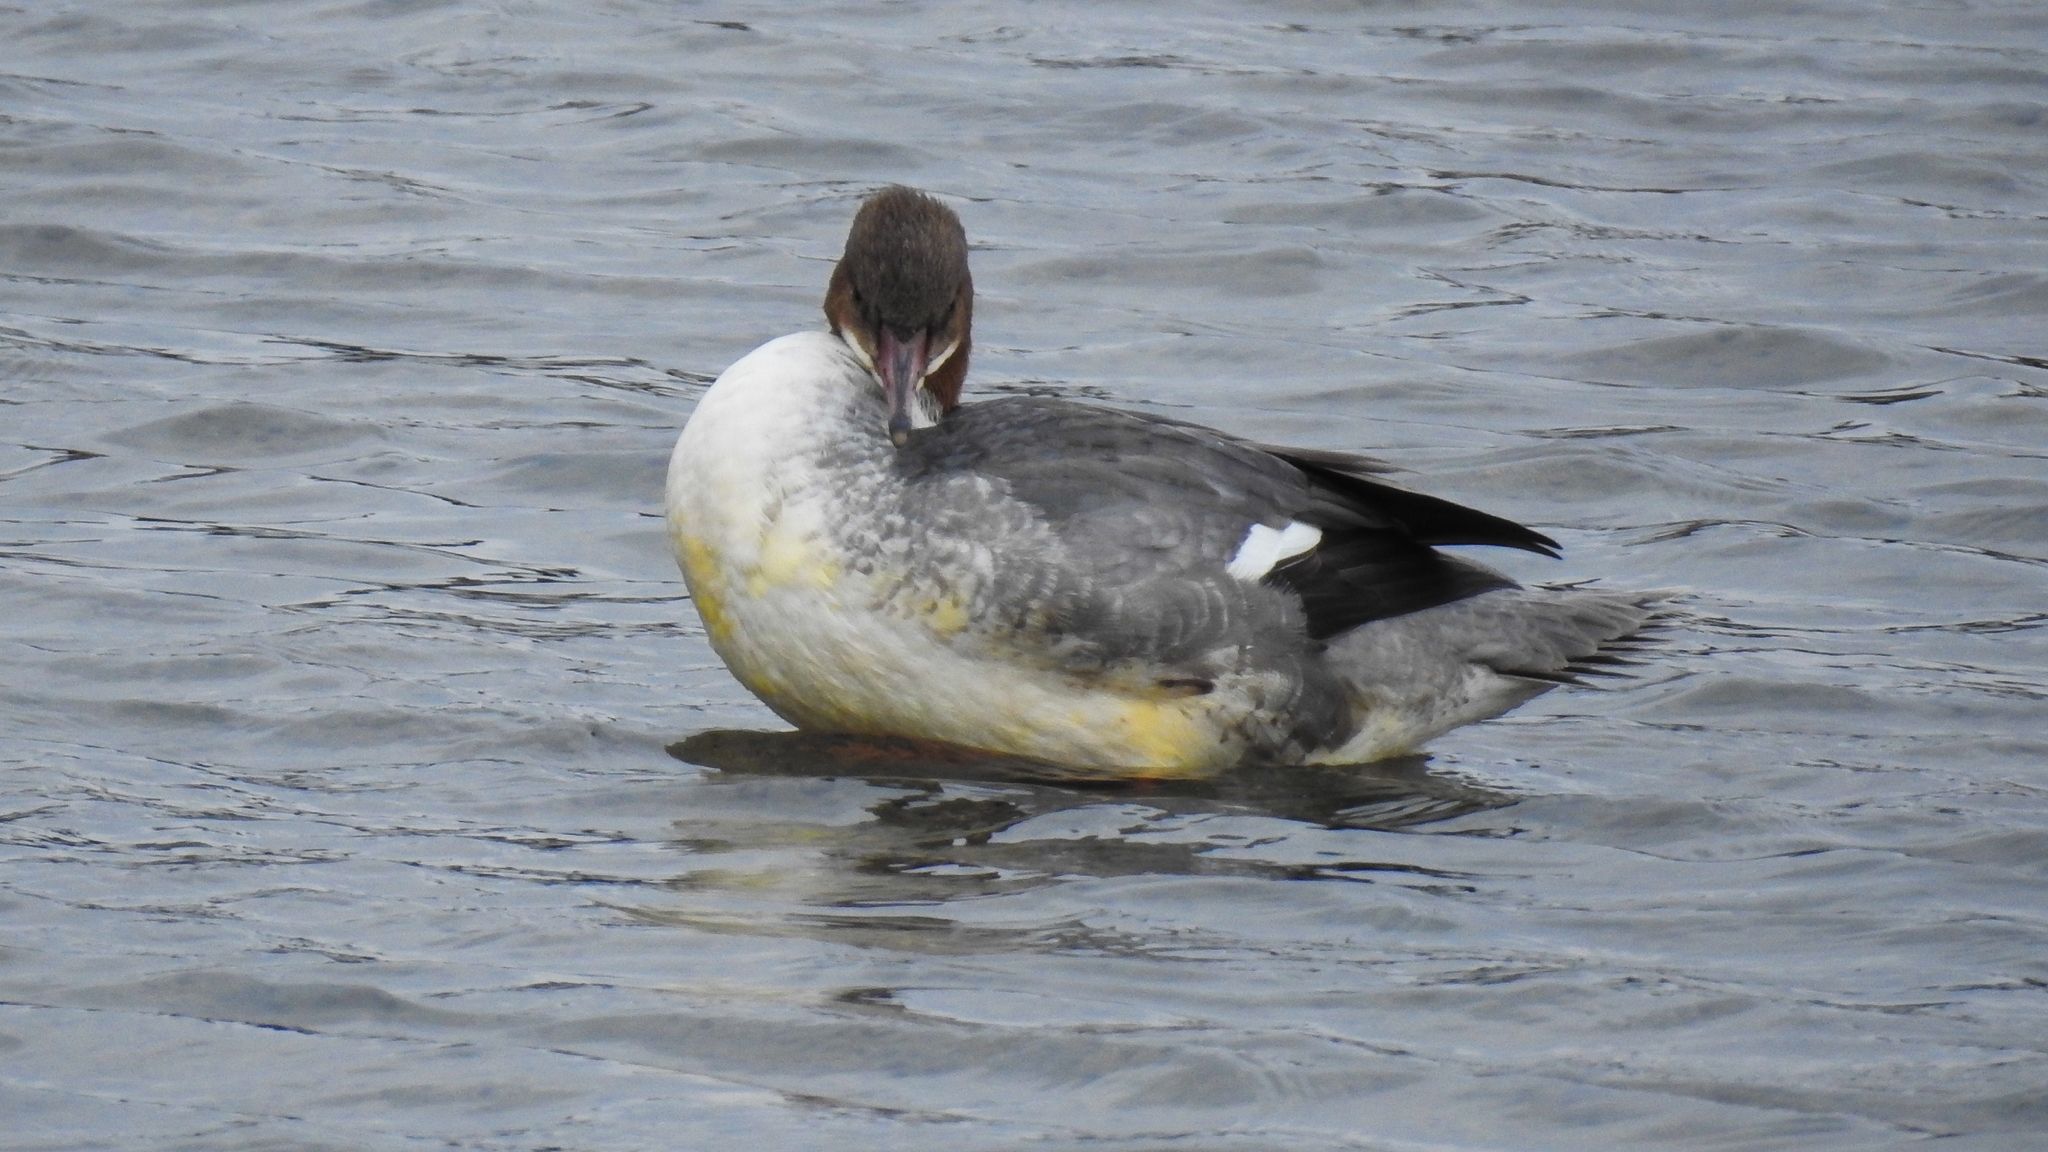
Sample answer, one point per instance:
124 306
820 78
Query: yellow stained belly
804 634
790 560
707 587
1171 737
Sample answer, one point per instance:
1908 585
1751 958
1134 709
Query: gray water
341 348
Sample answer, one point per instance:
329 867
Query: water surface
341 347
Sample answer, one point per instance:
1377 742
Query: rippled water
341 346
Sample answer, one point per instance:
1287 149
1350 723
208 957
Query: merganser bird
1104 589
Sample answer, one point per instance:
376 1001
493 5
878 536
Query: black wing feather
1364 576
1428 519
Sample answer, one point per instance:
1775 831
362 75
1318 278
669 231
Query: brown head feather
905 268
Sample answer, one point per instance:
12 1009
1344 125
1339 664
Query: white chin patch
1265 548
924 408
859 353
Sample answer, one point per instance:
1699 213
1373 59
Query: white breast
748 503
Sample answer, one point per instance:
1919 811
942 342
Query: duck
1109 590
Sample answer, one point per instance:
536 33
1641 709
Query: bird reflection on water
951 822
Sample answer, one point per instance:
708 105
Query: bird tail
1418 676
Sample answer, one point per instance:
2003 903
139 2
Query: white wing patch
1264 548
